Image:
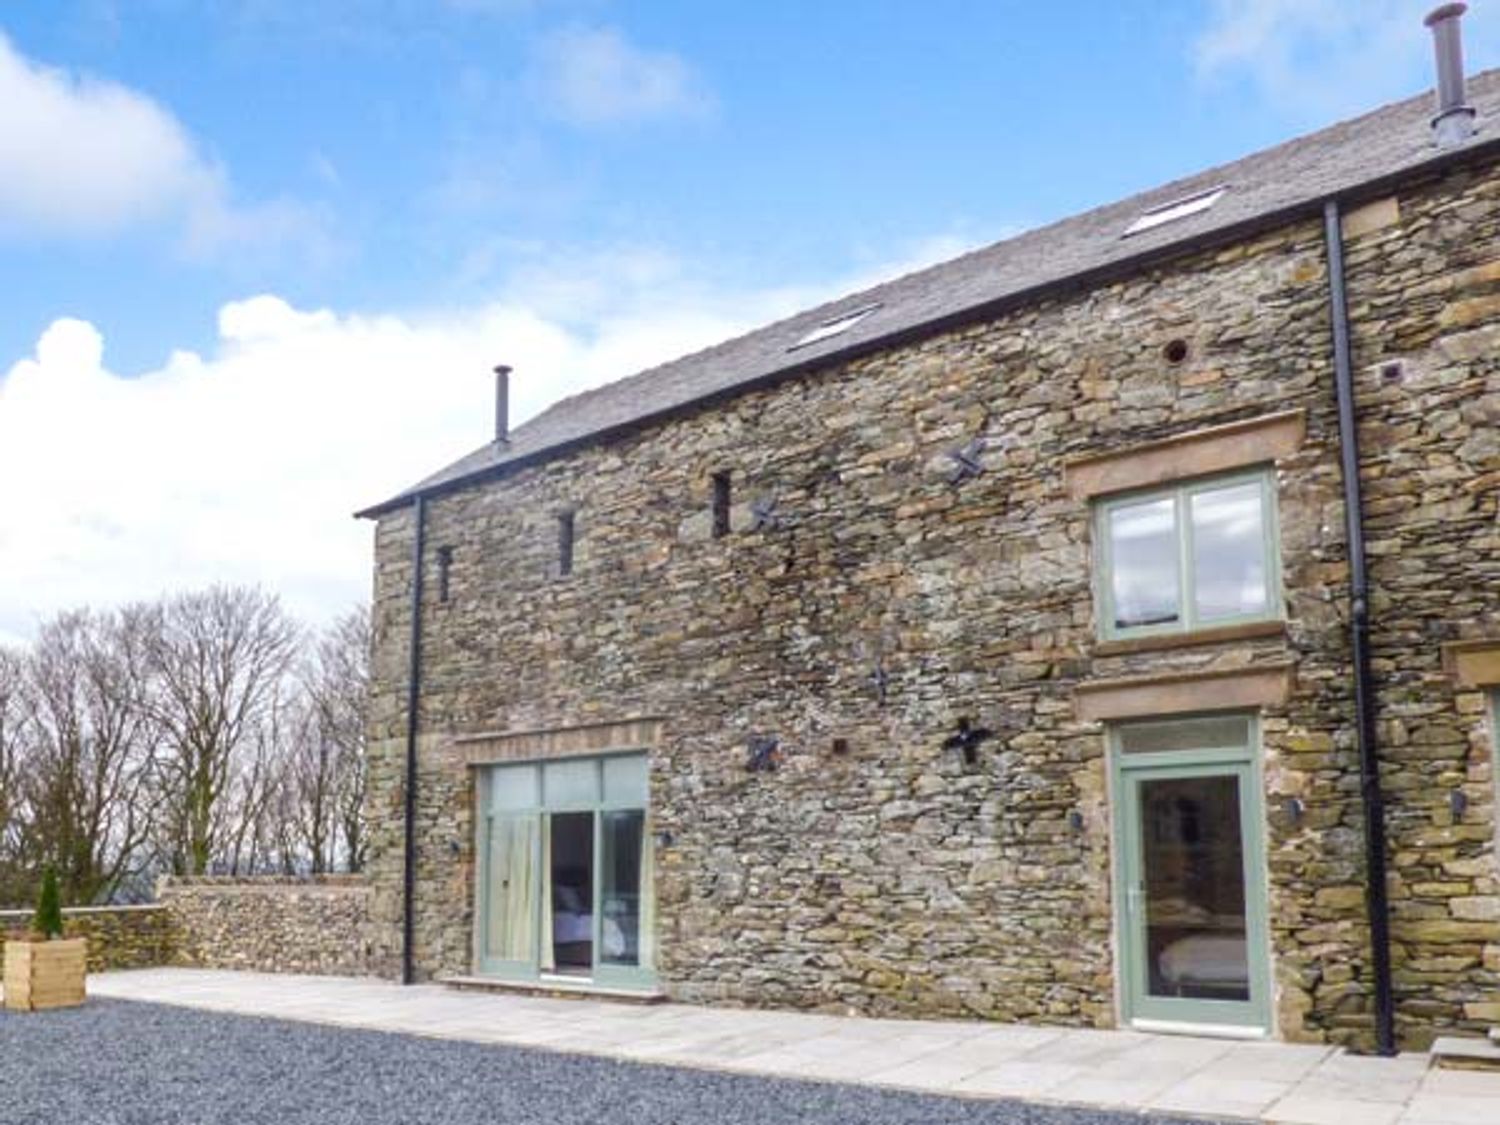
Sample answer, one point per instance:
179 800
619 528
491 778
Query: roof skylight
832 327
1177 209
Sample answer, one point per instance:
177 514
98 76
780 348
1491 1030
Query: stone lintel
1177 693
1473 663
560 742
1254 441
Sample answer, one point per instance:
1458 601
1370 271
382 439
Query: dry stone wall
874 872
272 924
119 937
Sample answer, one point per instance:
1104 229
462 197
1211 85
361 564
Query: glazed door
510 874
565 875
1192 911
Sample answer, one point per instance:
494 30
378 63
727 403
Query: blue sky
252 224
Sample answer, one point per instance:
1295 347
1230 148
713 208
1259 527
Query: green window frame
1188 617
1494 713
594 784
1236 757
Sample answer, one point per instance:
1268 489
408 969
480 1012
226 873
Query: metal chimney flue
502 404
1453 123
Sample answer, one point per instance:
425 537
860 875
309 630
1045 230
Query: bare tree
218 661
203 732
325 760
88 744
14 729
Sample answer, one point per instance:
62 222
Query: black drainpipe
1376 903
413 697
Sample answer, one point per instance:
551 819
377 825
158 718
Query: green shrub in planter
48 920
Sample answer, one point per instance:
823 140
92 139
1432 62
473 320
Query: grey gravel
125 1063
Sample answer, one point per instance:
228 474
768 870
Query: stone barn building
1101 628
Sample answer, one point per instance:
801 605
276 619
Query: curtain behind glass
509 925
549 954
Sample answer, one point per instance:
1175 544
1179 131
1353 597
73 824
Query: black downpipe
413 697
1376 903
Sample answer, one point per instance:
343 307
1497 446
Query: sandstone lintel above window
1255 441
1473 663
588 740
1183 693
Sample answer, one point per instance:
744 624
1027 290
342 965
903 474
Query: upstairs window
1193 556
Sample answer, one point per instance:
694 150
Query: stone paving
1224 1078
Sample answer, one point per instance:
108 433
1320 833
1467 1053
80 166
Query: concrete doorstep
1293 1084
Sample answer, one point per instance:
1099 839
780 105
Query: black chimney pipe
1454 121
502 404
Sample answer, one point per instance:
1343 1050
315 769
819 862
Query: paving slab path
1129 1071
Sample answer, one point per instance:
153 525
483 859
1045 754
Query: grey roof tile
1377 146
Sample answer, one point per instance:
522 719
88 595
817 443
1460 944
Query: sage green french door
1191 899
565 881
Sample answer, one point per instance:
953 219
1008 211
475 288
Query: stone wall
889 877
119 937
272 924
1425 292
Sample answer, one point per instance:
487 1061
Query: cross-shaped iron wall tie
765 753
763 514
967 462
967 740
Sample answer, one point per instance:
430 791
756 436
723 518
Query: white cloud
84 156
1318 59
243 465
595 76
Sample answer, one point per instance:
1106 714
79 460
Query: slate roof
1268 187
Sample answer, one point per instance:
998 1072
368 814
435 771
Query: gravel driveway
119 1063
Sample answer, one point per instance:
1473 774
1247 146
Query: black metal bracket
968 740
967 462
764 753
763 514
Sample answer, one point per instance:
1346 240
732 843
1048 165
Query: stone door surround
1180 693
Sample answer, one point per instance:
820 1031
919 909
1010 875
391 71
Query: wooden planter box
45 974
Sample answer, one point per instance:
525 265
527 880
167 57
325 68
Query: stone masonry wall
891 878
1425 296
271 924
119 937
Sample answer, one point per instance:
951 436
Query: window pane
513 787
625 780
1230 732
1194 860
620 897
1143 563
571 783
1229 551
